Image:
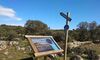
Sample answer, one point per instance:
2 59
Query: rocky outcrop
14 43
3 45
77 43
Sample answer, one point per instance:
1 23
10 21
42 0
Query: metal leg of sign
33 57
45 57
36 58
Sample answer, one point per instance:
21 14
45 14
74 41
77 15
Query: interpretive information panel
43 45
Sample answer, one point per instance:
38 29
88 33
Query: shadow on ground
29 58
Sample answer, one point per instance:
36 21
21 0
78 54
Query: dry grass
92 46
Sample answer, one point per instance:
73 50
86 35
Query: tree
74 34
92 25
96 35
83 32
35 26
92 30
59 36
83 25
98 32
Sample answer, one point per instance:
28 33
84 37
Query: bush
78 50
92 55
76 57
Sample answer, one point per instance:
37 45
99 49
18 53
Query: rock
98 57
6 53
77 43
3 59
14 43
72 45
23 48
79 57
10 56
3 45
28 48
76 57
24 52
18 48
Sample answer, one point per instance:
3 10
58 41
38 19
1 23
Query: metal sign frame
37 53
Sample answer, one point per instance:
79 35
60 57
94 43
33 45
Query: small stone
6 53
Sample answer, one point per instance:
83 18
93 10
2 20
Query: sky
17 12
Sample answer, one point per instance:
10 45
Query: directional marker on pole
65 16
66 27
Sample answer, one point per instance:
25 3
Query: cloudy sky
17 12
8 12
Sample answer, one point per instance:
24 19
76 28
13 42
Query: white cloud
15 24
8 12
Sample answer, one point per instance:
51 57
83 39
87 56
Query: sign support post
66 39
66 28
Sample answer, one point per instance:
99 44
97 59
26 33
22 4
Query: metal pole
66 39
36 58
45 57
